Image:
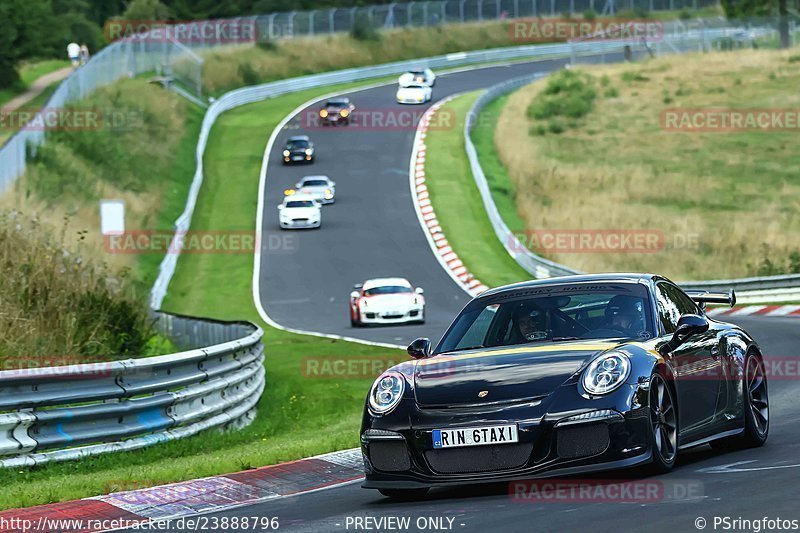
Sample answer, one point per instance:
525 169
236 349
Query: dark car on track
298 149
562 376
336 111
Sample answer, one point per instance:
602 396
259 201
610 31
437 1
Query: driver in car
626 315
530 323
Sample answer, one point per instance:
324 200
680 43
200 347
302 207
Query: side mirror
280 207
333 184
419 291
354 295
688 325
420 348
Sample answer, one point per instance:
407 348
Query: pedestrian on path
84 54
74 53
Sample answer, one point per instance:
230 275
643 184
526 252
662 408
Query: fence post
444 11
311 15
271 22
425 13
331 20
290 26
552 8
409 14
571 7
480 10
516 9
461 9
534 11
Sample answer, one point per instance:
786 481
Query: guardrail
768 288
69 412
256 93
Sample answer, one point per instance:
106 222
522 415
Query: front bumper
411 101
550 443
298 158
299 224
414 314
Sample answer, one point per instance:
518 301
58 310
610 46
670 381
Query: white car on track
321 188
386 301
299 211
414 94
417 76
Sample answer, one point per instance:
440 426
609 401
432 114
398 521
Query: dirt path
36 88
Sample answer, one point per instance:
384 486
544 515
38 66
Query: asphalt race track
765 484
372 230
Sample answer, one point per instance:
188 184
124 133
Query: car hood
300 212
505 373
390 301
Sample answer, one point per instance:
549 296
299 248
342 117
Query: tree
8 58
146 10
761 8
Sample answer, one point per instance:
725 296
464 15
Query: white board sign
112 217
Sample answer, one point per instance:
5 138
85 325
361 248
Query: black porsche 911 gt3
561 376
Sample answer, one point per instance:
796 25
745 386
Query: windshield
300 203
315 183
552 314
388 289
337 103
415 87
297 144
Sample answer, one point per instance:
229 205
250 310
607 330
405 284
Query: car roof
298 138
338 100
304 178
299 197
580 278
381 282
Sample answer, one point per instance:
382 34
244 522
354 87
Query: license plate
297 158
454 438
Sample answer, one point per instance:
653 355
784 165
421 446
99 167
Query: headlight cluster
323 113
386 392
286 153
309 151
606 373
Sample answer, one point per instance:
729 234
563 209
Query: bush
248 74
590 14
363 30
55 304
568 94
611 92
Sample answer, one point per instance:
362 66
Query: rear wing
703 297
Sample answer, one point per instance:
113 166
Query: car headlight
344 112
309 151
606 373
286 153
323 113
386 393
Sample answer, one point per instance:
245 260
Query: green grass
297 417
29 73
458 203
502 188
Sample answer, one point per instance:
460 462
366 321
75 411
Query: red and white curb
426 213
122 510
757 310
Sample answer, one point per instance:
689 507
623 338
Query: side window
668 312
672 303
685 304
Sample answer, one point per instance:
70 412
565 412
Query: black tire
756 408
405 495
663 424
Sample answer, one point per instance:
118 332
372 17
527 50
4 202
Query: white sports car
414 94
386 301
417 76
299 211
321 188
